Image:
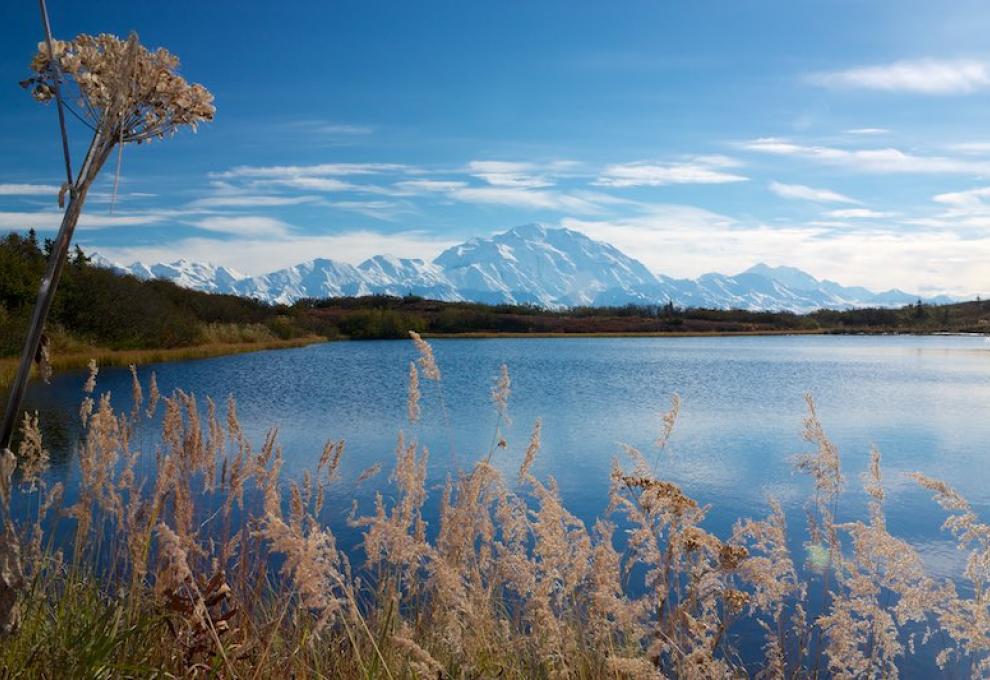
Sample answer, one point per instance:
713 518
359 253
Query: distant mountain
547 267
531 264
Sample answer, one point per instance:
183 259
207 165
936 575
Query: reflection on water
921 400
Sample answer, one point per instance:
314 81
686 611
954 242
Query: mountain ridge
530 264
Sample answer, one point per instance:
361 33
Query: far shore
686 334
110 357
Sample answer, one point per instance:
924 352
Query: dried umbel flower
133 91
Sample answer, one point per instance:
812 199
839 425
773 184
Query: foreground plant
125 93
190 555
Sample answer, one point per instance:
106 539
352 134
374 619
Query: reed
185 552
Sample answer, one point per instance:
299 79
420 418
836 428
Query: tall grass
196 558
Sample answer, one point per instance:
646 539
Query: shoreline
117 358
483 335
111 357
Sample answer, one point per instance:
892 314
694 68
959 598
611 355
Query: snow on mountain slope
548 267
530 264
317 278
391 275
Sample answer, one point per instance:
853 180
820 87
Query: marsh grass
80 354
187 554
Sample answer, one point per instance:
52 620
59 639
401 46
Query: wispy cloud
923 76
700 170
328 184
338 129
51 219
419 186
318 170
382 210
244 225
867 131
28 190
886 160
971 198
859 214
248 201
974 148
509 174
806 193
524 198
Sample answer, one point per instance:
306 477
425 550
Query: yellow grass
80 358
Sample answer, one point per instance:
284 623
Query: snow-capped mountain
197 275
532 264
547 267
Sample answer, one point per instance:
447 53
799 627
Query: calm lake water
923 401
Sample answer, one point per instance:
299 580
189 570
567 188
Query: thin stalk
57 87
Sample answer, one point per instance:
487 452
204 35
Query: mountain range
530 264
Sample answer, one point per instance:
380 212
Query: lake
923 401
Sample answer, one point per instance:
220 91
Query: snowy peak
550 267
529 264
789 276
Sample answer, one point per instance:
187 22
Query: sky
850 139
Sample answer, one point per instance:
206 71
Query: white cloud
701 170
418 186
924 76
867 131
29 190
382 210
859 213
886 160
337 129
509 174
805 193
975 148
319 170
328 184
524 198
245 225
330 128
51 220
247 201
253 255
969 199
685 241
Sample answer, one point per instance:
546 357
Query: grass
183 552
80 357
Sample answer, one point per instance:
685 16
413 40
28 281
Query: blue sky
851 139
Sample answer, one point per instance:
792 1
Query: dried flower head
32 456
426 361
412 403
135 91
